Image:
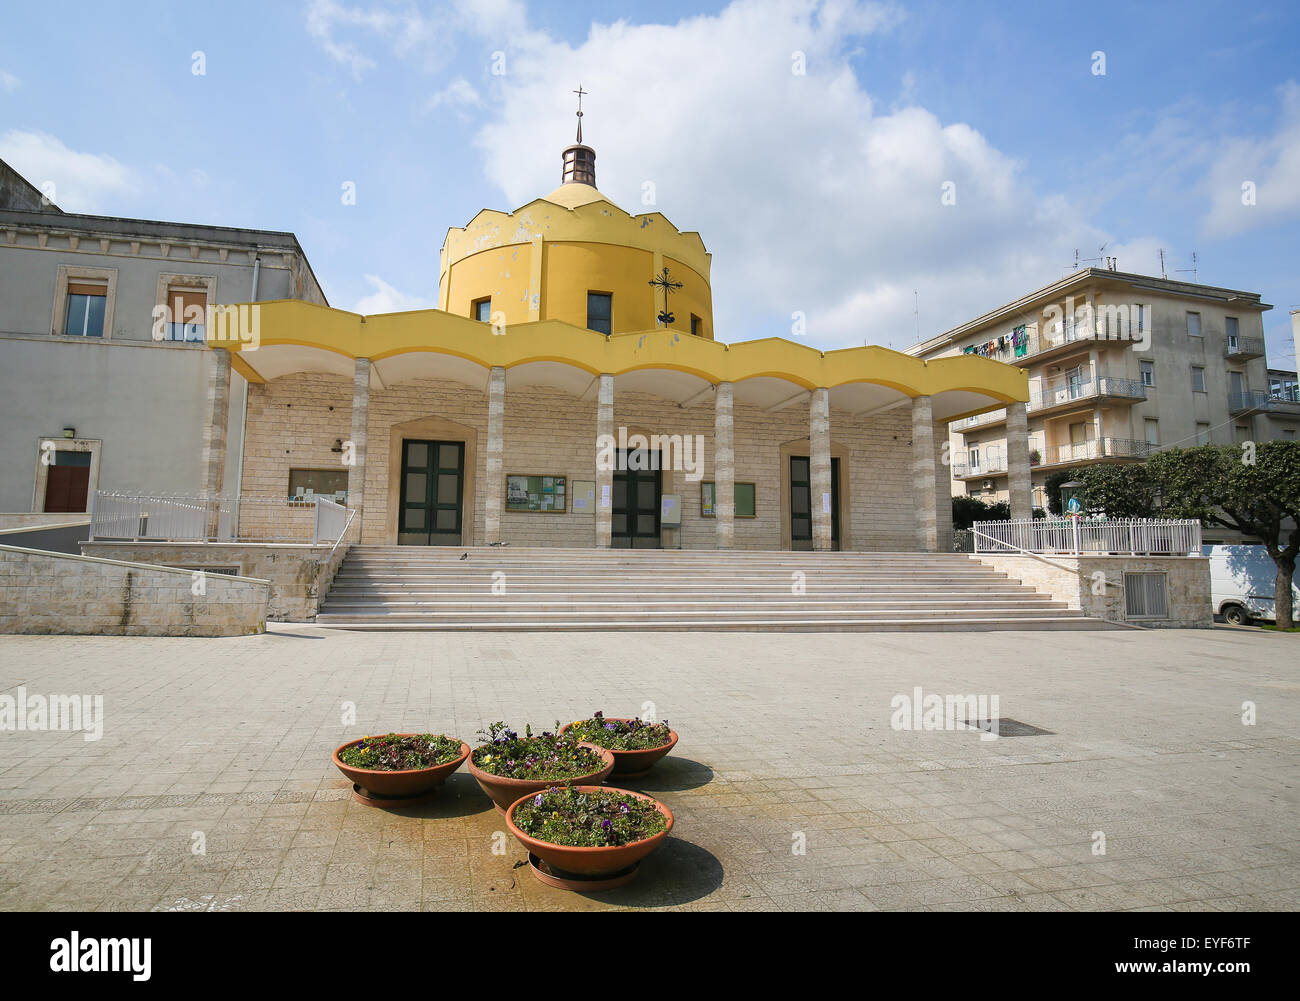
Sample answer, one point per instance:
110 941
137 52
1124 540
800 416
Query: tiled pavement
782 736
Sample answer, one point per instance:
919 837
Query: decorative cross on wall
669 286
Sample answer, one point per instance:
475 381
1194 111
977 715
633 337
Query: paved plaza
786 744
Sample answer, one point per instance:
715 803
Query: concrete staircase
404 587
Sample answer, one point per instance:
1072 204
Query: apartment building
1119 365
99 387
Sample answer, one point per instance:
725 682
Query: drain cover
1006 727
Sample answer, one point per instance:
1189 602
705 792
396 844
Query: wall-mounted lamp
69 432
338 445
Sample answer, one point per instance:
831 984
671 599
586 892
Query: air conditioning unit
988 484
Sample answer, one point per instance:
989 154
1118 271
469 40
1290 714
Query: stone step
809 625
712 604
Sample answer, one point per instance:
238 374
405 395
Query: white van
1242 583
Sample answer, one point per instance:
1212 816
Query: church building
571 391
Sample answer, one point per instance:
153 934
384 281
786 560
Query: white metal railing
162 518
1069 536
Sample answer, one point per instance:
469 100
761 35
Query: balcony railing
1133 536
1248 399
1096 448
992 463
979 420
1243 347
1285 394
139 518
1105 386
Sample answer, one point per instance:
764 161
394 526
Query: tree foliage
1253 488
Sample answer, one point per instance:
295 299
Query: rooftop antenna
1191 270
1087 260
1163 273
916 311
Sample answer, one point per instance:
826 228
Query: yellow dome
575 193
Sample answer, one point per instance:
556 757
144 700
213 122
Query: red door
66 488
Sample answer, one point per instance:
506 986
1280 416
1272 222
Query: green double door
433 488
637 490
802 500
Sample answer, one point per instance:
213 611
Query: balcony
993 417
1095 450
1240 348
1248 401
1073 393
991 463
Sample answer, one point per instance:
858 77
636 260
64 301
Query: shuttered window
1146 595
189 309
85 312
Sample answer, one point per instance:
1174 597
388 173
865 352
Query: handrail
351 514
1040 556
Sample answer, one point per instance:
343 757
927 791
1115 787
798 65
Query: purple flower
537 800
622 808
606 824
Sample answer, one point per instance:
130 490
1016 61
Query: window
1148 370
743 494
1202 433
86 307
187 311
1242 433
1153 430
307 484
1146 596
1198 379
1141 318
1193 324
695 325
481 310
1230 326
600 310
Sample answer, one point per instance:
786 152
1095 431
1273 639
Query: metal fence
1118 536
141 518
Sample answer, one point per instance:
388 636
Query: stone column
820 467
1019 482
925 485
212 461
360 424
604 477
494 489
724 465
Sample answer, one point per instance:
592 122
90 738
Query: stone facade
294 422
1075 581
45 593
298 576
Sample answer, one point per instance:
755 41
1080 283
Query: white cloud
460 93
8 82
385 299
809 198
82 181
1271 164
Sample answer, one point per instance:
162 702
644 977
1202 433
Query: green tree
1119 491
967 510
1253 488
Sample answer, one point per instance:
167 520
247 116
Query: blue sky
817 193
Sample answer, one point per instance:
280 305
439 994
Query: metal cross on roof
669 286
580 92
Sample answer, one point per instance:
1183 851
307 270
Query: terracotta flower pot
378 787
592 863
634 764
504 791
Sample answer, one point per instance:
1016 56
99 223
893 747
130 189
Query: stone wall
294 421
298 576
55 593
1075 581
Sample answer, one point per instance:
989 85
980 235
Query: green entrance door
801 503
433 483
636 500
